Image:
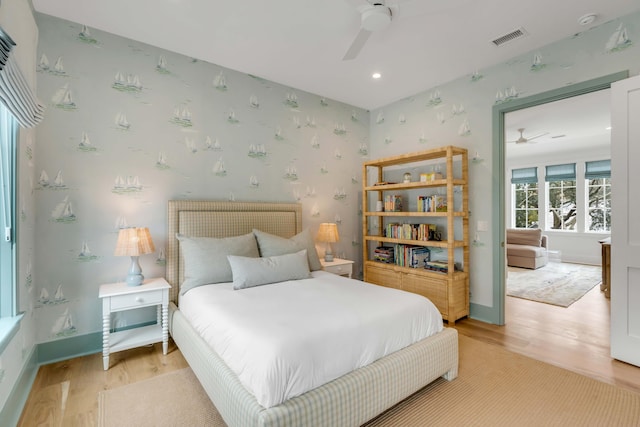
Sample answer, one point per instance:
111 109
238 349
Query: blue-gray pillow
250 272
205 258
271 245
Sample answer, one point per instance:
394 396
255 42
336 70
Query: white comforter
287 338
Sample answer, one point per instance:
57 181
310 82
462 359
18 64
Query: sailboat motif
296 194
435 98
162 65
402 119
464 129
191 145
58 297
161 258
311 122
257 150
339 194
27 275
324 169
63 98
354 178
278 134
58 181
44 296
537 63
311 192
85 143
85 253
63 212
85 35
231 117
354 116
58 67
63 326
291 99
121 222
315 210
337 219
182 116
457 110
422 139
476 76
232 197
363 149
121 121
253 181
507 95
296 122
161 163
291 173
315 142
619 40
253 101
128 84
380 118
44 179
216 145
388 139
323 102
219 168
337 154
43 65
220 82
339 129
129 185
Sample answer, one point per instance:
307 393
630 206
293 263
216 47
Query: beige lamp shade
328 232
134 241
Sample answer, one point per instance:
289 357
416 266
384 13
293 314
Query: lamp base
328 257
135 277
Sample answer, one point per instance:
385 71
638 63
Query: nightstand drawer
138 299
339 269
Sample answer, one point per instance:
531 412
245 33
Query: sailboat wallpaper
121 112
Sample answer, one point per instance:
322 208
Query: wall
16 360
459 113
188 129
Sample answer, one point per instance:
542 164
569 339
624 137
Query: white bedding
287 338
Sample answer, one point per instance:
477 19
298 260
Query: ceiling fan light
377 18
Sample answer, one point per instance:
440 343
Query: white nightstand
120 297
341 267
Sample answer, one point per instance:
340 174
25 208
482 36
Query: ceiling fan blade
537 136
357 45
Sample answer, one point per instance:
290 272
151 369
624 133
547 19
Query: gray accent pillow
250 272
205 258
271 245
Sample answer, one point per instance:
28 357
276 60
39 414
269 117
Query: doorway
500 183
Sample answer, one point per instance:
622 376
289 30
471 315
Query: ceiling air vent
515 34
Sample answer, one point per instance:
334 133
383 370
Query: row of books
410 231
403 255
441 266
433 203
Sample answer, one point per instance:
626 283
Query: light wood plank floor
575 338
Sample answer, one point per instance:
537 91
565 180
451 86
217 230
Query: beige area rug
495 387
557 283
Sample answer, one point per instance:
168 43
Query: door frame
496 313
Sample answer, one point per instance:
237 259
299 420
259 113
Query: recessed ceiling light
587 19
376 76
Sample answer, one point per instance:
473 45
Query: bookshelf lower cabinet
451 297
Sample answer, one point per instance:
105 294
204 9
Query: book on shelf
411 256
393 203
433 203
384 254
421 232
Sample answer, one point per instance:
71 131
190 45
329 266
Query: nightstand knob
139 299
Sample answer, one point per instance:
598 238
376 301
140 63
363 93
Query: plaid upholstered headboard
208 218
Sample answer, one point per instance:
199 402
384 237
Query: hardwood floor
575 338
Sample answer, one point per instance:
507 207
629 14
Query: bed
350 400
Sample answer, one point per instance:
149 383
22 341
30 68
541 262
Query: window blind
15 92
524 175
566 172
597 169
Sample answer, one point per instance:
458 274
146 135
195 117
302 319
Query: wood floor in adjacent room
575 338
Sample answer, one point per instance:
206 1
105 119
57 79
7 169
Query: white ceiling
300 43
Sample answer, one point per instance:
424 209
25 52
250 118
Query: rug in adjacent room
557 283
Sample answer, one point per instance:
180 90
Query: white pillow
250 272
205 258
271 245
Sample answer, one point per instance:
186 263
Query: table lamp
328 232
134 242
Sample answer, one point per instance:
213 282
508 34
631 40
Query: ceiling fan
524 140
375 15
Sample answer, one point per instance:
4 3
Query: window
8 137
561 196
598 195
525 193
